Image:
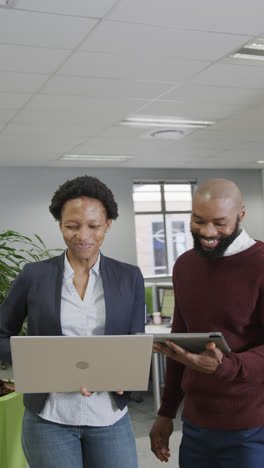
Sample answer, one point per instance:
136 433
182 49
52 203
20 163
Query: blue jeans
51 445
205 448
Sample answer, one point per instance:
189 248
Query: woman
78 293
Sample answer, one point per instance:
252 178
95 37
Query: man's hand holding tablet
206 362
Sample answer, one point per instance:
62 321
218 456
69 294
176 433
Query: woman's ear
108 224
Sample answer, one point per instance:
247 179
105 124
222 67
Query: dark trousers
205 448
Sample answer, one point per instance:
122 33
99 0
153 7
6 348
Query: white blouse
82 318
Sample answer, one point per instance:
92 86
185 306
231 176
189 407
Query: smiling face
214 224
84 224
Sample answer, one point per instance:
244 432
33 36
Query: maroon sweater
227 295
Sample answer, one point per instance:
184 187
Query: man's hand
206 362
84 392
159 437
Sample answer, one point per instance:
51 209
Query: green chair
11 416
149 299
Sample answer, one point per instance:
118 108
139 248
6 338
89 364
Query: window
162 218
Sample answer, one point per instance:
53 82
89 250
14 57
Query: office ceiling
71 70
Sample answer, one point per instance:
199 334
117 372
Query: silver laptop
65 363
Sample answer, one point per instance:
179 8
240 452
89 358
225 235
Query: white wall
25 195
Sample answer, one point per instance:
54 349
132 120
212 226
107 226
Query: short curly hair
84 186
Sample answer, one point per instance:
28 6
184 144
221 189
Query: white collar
69 271
241 242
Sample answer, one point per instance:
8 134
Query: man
219 286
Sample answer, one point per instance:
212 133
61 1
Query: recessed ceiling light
164 122
243 55
260 162
252 51
88 157
256 45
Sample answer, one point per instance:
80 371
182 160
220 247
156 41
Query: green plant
15 251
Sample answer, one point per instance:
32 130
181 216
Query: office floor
142 416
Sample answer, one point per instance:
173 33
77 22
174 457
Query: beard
220 249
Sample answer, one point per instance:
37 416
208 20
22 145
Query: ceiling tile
60 118
131 67
13 101
237 76
105 146
197 94
40 134
95 117
235 17
92 8
11 146
103 88
121 132
28 157
6 114
30 59
119 38
187 110
83 104
11 82
93 114
42 30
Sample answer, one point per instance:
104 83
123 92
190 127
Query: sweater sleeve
172 393
246 366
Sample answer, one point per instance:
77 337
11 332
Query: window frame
163 212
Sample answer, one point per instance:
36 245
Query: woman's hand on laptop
84 391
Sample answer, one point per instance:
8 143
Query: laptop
65 363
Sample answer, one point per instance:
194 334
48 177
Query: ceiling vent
168 134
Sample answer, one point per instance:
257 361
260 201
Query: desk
158 363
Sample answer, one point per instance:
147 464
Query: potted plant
15 251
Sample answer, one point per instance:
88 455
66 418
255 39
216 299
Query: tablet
65 363
194 342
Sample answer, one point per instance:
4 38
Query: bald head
217 211
220 189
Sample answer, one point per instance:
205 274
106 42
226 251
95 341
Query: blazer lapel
58 288
110 277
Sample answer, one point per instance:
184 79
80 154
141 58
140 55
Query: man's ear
242 213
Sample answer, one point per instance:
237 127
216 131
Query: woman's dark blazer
36 293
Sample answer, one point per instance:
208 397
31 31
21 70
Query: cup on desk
156 318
